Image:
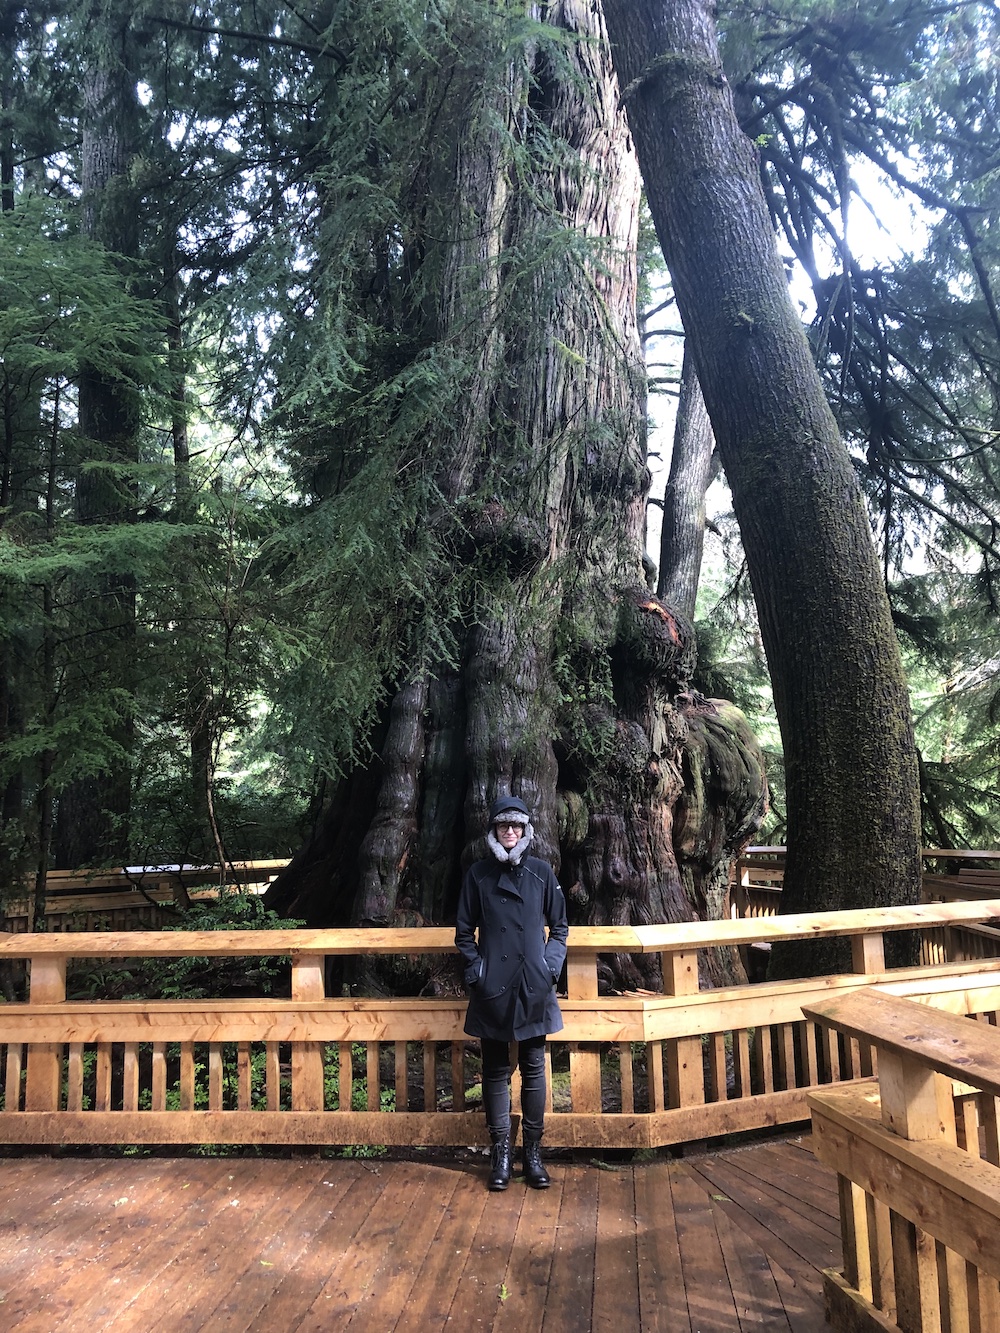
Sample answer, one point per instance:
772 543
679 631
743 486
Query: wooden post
47 986
916 1104
307 1056
584 1061
868 953
684 1065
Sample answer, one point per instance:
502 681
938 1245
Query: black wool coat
511 970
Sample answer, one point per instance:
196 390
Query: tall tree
840 695
510 507
92 825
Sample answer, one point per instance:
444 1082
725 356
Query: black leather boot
535 1174
499 1177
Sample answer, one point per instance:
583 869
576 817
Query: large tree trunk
564 694
840 695
92 824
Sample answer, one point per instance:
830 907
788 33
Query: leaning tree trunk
692 469
92 823
565 691
840 695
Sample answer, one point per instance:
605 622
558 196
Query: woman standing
511 974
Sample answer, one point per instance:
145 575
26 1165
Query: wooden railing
757 877
138 899
918 1161
629 1070
131 899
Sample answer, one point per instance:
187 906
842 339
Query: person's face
509 835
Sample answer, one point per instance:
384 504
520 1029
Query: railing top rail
945 1042
683 936
951 853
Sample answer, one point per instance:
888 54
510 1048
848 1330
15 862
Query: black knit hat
510 809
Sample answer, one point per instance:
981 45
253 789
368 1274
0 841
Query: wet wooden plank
438 1275
281 1255
353 1285
789 1191
755 1294
210 1246
481 1287
800 1245
300 1286
711 1305
393 1279
571 1281
616 1282
61 1243
530 1264
230 1246
662 1300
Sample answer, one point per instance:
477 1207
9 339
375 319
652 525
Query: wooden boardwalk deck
720 1243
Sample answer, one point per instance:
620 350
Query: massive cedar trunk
566 691
840 696
92 823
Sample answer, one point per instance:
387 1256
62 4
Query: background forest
325 450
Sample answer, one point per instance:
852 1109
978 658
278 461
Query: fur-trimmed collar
513 857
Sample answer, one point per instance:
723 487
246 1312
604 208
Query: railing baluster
272 1075
458 1075
74 1077
215 1076
741 1063
12 1076
786 1056
244 1077
102 1094
430 1076
158 1083
130 1077
372 1075
402 1077
345 1076
627 1083
654 1074
584 1060
718 1080
187 1076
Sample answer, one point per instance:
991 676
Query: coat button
503 930
520 957
503 958
502 989
503 900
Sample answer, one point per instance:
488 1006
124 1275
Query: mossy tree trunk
840 695
565 689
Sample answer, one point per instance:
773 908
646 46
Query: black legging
496 1085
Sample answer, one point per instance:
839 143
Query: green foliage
196 978
288 313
